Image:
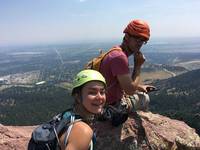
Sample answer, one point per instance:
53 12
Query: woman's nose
100 96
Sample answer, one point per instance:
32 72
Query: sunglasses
139 40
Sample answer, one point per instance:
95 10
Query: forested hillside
179 97
32 105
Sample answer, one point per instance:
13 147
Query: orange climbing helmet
138 28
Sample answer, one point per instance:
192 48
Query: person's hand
142 88
146 88
151 88
139 59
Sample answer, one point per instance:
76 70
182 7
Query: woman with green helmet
89 94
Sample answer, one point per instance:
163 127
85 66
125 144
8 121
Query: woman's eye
102 92
96 92
92 93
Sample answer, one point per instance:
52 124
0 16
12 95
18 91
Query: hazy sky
51 21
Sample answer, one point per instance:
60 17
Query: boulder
147 131
141 131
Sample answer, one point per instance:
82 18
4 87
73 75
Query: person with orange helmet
115 69
138 28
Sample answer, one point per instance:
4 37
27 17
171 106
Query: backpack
95 63
46 136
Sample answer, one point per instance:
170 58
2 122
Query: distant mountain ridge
183 79
179 97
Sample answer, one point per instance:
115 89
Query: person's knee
141 101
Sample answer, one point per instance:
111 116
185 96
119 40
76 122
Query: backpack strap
95 63
112 49
54 129
67 133
91 145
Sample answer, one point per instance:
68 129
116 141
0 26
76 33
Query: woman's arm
79 138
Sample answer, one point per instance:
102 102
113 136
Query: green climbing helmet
85 76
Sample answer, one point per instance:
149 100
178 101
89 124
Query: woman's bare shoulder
80 136
83 127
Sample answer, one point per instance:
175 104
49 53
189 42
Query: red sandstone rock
142 131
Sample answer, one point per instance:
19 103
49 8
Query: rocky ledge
142 131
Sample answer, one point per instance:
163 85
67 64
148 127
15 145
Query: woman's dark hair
77 90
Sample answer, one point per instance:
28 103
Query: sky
65 21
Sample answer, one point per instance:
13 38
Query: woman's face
93 96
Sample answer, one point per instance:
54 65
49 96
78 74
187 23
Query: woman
89 94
